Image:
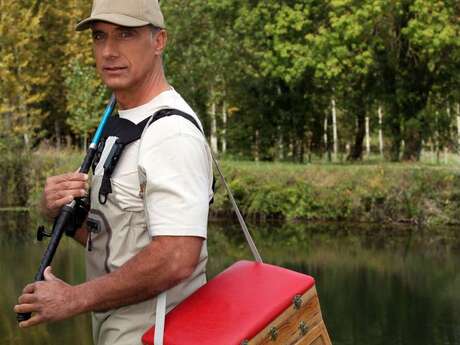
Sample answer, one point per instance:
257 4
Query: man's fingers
27 298
25 308
65 187
65 198
30 288
57 204
33 321
76 176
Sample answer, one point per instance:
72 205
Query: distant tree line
272 80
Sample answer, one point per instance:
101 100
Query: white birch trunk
224 127
458 124
368 137
26 141
212 114
326 139
334 130
291 149
436 139
381 131
280 144
257 146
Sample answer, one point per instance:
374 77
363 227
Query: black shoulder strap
170 112
127 132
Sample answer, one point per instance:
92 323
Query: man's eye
126 34
97 36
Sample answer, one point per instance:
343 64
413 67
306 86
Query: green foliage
21 74
273 66
85 97
381 193
15 181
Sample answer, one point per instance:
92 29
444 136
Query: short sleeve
178 174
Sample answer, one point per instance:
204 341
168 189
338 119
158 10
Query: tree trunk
257 146
458 126
212 114
302 150
224 128
57 131
368 137
381 131
334 130
26 141
357 150
436 139
326 139
396 136
432 154
68 142
413 147
280 144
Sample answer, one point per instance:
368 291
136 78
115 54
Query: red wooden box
249 303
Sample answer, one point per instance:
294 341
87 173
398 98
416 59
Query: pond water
377 284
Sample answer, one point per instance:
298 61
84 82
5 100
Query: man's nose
110 49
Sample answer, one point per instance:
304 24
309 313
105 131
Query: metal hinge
297 301
273 333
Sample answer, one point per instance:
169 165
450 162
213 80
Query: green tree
418 53
21 71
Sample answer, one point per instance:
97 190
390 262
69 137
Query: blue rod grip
108 111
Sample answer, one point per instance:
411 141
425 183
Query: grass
418 193
368 191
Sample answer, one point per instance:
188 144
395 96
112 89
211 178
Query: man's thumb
49 276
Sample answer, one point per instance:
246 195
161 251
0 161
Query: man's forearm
158 267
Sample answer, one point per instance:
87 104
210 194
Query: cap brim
118 19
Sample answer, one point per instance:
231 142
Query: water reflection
377 285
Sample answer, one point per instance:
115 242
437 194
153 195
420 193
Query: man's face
125 57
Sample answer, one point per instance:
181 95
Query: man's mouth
113 69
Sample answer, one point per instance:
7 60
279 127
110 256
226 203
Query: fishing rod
67 213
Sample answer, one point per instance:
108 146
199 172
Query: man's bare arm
164 263
160 266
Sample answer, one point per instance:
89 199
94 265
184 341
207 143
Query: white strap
160 319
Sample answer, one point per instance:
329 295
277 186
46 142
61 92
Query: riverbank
422 194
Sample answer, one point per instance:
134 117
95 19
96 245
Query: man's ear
161 39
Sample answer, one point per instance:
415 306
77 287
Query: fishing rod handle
88 161
59 229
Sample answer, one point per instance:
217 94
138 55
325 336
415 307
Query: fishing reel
77 216
42 233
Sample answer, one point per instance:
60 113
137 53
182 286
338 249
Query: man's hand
49 300
61 190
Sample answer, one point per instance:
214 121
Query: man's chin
116 85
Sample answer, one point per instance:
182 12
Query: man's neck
144 93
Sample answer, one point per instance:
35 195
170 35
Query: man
150 234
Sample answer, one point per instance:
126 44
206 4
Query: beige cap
129 13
